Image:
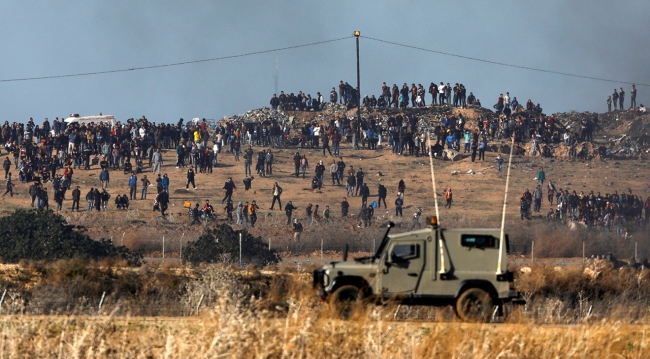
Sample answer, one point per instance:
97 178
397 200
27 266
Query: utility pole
357 33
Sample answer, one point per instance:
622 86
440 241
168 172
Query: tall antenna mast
275 75
503 216
443 269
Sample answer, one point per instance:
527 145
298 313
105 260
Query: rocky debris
451 155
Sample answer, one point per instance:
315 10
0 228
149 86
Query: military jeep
465 268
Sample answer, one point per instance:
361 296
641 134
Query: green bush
220 243
45 235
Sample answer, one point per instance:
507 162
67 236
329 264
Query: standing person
481 149
58 198
345 207
352 181
632 98
304 164
296 162
326 144
537 198
163 201
448 197
341 168
229 187
364 193
416 219
97 199
90 198
105 197
133 186
541 176
288 210
399 202
277 192
33 192
615 99
308 213
609 103
621 99
320 172
382 193
326 214
269 162
145 185
551 192
190 178
157 161
474 147
401 188
334 172
104 177
360 176
240 213
499 162
297 230
252 212
248 159
229 208
165 182
76 196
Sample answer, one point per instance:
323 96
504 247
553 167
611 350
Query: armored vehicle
465 268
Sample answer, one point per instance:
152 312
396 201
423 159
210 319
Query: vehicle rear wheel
344 300
474 305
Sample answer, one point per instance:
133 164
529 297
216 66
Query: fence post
2 299
636 258
240 249
532 253
269 244
583 252
163 247
123 238
199 305
321 247
181 249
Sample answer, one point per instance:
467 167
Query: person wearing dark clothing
296 162
345 206
364 193
398 206
277 191
359 176
76 197
97 198
288 210
7 166
248 183
229 187
163 201
33 192
190 178
382 193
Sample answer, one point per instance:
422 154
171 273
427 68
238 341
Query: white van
86 120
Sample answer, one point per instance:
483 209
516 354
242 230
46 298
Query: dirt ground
477 197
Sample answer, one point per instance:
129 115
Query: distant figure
297 230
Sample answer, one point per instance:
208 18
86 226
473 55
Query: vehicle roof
427 231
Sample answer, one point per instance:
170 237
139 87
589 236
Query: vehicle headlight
326 279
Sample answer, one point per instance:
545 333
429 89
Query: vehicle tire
344 300
474 305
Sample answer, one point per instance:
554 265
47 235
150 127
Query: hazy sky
43 38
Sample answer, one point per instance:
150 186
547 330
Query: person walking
229 187
10 186
360 177
352 180
541 176
90 198
297 230
364 193
499 162
157 159
304 164
537 199
277 192
163 201
269 162
296 162
308 212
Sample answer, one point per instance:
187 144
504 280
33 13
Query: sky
48 38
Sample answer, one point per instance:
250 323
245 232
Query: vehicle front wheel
344 300
474 305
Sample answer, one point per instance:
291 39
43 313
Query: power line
504 64
173 64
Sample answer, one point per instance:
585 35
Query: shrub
220 243
45 235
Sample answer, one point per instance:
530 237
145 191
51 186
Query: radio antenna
443 269
503 216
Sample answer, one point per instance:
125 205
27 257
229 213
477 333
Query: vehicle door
402 267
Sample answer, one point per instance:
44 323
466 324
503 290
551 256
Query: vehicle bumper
512 296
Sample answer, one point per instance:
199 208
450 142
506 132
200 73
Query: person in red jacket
449 197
